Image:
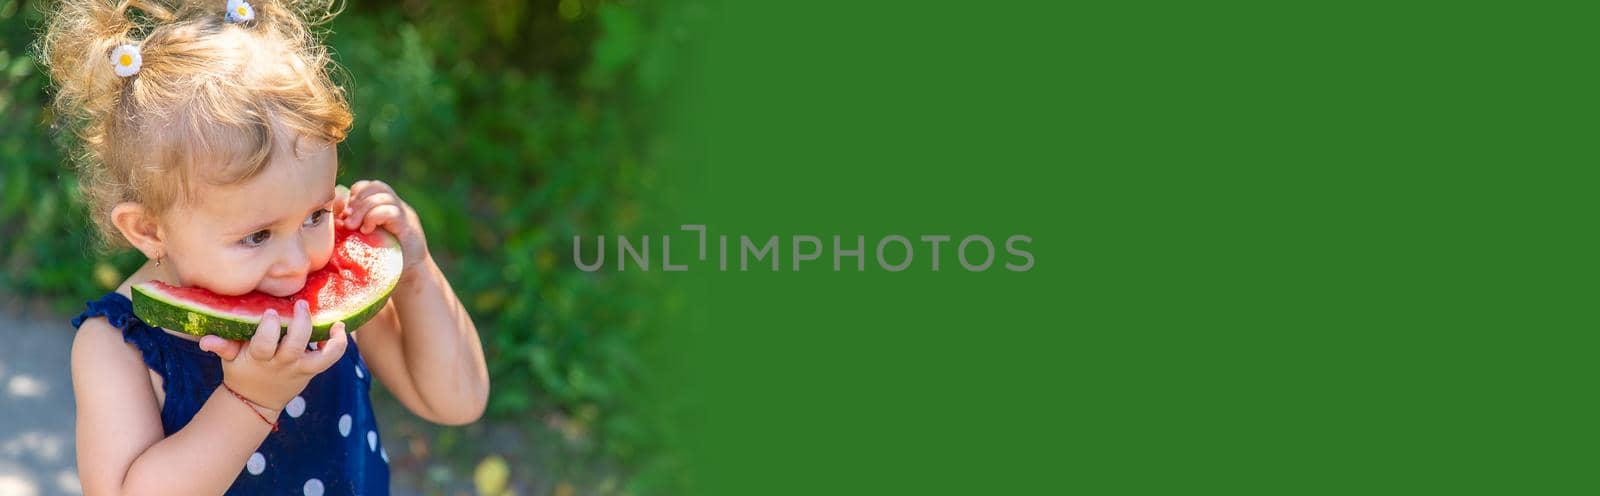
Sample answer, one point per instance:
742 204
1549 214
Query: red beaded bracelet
252 406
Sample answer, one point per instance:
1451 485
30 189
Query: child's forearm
205 456
441 346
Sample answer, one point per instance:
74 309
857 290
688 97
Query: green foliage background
510 126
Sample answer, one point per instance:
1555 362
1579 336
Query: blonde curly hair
204 105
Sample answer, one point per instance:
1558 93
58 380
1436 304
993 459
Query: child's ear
138 226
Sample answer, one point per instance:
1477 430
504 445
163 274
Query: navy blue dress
327 441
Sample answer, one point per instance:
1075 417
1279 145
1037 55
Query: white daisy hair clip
125 60
239 11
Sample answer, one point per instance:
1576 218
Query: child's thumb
226 349
341 199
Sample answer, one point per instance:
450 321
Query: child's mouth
283 288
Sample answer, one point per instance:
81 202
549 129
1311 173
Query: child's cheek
240 280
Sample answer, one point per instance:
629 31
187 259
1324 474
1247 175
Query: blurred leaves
510 127
491 476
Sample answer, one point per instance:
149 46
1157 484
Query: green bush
511 127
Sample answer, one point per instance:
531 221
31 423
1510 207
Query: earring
158 260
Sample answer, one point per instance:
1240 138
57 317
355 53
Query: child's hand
372 204
271 373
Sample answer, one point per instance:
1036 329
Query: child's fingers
366 188
330 351
265 343
354 219
362 207
357 191
380 215
225 349
369 188
372 187
358 210
294 343
357 188
341 200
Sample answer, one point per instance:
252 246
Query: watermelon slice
352 287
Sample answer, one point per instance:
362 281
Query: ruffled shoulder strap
119 312
188 374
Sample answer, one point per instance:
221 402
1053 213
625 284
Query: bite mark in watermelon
352 287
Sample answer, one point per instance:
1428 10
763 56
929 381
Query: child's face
263 234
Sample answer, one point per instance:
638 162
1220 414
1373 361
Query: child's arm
121 450
423 345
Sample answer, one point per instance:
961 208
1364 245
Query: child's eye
316 218
256 238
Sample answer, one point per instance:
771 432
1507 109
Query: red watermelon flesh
351 287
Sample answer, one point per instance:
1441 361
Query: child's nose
292 262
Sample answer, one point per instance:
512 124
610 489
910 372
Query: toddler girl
207 134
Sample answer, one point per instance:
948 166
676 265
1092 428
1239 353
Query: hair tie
125 60
239 11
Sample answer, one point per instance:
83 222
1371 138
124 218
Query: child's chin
279 292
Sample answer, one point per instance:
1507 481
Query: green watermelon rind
160 310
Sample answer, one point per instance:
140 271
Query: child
208 133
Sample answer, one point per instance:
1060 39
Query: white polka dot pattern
313 487
296 407
257 464
312 453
